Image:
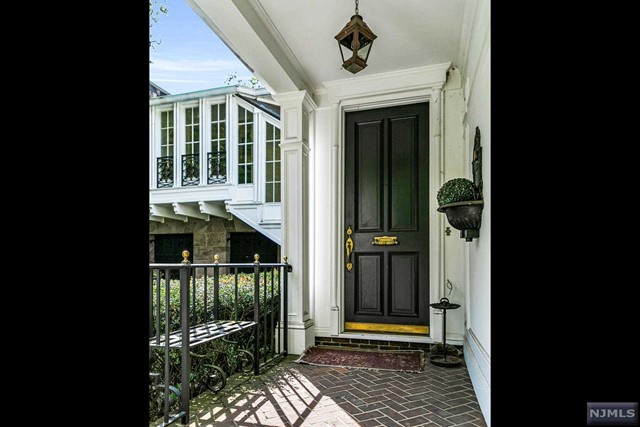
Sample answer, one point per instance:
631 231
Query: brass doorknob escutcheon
349 247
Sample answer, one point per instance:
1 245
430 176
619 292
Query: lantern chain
357 1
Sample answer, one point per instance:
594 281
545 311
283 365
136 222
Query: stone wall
209 237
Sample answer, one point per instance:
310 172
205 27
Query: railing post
216 288
184 323
285 310
150 302
256 313
167 331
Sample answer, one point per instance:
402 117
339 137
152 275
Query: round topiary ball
456 190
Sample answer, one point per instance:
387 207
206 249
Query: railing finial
256 257
216 258
185 256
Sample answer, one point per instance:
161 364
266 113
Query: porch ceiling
299 36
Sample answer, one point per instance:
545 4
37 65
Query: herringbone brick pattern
293 394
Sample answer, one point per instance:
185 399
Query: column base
335 321
301 336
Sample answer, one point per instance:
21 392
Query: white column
436 230
295 109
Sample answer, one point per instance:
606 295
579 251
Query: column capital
294 99
295 109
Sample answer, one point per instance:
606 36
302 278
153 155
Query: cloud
182 74
180 80
194 65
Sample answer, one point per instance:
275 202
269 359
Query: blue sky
190 56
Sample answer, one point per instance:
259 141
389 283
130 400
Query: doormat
394 360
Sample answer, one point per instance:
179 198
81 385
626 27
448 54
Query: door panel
369 284
404 299
386 194
369 176
403 165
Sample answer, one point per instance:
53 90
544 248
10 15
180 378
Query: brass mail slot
385 241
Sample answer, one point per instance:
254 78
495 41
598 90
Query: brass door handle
349 246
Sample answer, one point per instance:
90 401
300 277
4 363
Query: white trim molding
423 84
478 364
394 85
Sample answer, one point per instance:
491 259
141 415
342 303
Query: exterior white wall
475 60
453 162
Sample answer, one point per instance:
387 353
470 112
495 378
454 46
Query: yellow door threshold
386 327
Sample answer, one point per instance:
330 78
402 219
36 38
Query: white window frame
256 142
206 136
263 148
157 146
182 137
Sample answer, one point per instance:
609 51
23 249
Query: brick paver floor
292 394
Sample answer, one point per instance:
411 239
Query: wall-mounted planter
465 216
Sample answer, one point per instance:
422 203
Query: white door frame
413 86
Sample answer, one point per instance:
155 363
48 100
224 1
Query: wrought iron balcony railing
217 167
190 170
165 172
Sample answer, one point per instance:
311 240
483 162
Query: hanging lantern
355 41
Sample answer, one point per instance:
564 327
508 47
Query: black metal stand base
444 359
450 362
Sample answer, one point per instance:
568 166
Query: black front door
245 245
386 195
168 249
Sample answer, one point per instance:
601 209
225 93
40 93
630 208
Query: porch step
374 344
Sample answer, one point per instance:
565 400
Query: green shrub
229 309
219 352
457 190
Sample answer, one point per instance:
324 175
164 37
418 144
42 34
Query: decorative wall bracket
467 216
476 163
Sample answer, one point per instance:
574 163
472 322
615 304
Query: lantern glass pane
346 53
363 52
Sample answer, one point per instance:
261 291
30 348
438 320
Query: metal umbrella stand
443 359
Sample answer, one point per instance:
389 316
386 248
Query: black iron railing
190 170
217 167
165 172
265 330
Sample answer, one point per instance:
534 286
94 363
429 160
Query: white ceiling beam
189 210
240 25
166 212
155 218
216 209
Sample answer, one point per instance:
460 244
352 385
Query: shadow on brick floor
292 394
